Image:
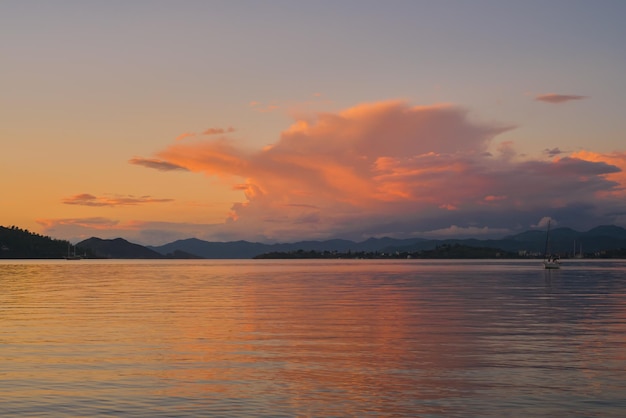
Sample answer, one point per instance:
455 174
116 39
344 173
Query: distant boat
71 256
550 262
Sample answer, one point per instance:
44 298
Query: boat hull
551 265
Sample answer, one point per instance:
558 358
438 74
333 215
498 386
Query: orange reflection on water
299 338
348 339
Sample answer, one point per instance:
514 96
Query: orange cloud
85 199
614 159
216 157
558 98
390 168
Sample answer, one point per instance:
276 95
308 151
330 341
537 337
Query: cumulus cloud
545 221
86 199
400 170
558 98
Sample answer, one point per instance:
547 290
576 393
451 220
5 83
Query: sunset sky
290 120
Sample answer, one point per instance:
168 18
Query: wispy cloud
218 131
156 164
460 232
91 223
185 135
558 98
553 152
209 131
142 232
264 107
85 199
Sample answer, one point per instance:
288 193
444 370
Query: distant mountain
205 249
246 249
18 243
562 241
611 231
120 248
567 240
116 248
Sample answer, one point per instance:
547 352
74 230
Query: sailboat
550 262
71 256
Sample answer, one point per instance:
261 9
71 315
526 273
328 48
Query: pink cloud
558 98
390 168
185 135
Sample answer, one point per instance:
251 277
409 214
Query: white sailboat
71 256
549 261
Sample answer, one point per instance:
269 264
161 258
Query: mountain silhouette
19 243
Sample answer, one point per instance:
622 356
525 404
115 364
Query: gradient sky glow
289 120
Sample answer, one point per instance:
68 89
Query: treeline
618 253
445 251
21 243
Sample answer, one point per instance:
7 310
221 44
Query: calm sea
312 338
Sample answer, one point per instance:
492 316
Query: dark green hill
120 248
117 248
611 231
602 240
21 243
214 250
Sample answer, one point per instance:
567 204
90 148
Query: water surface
312 338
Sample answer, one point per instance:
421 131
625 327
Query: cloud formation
85 199
392 169
558 98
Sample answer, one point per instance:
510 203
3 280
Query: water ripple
312 338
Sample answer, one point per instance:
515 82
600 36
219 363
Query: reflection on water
312 338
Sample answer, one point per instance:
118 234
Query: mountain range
564 241
19 243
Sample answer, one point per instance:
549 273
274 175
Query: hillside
117 248
21 243
120 248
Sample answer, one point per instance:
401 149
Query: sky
281 121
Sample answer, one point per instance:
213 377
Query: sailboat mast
545 251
